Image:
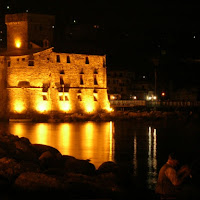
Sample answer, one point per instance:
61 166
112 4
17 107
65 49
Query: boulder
74 165
9 168
79 185
41 148
108 167
32 181
50 160
24 151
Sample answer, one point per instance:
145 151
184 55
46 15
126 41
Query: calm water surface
139 148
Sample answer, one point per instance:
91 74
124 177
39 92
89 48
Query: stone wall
3 92
47 81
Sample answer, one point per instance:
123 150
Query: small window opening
23 84
81 71
68 59
81 80
61 98
58 58
62 71
95 91
86 60
45 87
61 81
95 71
95 97
79 97
31 63
95 80
66 98
45 97
8 63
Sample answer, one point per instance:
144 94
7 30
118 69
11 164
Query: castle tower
26 31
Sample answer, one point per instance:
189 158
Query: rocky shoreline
139 115
36 169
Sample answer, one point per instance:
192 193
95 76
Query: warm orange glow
89 106
109 109
18 43
18 106
42 134
163 94
83 140
64 138
65 106
42 106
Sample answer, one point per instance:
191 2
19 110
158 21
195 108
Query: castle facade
36 79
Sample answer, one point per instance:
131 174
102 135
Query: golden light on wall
18 43
19 106
65 106
89 106
109 109
42 106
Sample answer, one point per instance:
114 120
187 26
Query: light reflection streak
19 129
152 161
42 134
64 138
111 133
135 156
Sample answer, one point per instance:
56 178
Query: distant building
124 84
120 84
36 79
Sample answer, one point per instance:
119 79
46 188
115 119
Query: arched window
23 84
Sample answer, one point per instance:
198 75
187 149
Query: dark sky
135 31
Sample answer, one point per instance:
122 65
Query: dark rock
79 166
50 160
79 185
9 168
108 167
24 151
2 153
29 166
31 181
41 148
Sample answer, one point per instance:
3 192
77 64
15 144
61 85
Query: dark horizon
130 34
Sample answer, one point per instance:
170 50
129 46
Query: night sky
131 32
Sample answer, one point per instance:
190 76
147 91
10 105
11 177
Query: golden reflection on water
83 140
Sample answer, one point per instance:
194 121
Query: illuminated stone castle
35 79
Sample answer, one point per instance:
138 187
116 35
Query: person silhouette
170 179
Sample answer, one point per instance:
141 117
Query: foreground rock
26 167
